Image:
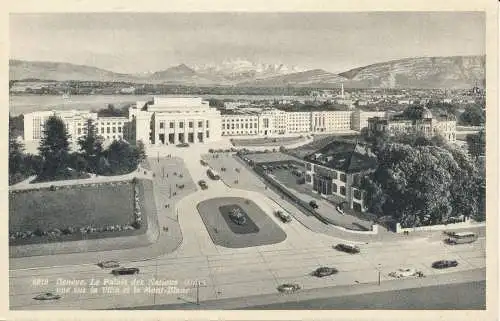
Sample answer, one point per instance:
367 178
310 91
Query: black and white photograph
248 160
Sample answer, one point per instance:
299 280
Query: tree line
56 161
423 181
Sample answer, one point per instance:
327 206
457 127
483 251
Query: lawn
261 229
98 206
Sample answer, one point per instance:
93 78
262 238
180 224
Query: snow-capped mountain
243 70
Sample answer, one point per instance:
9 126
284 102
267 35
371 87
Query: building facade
240 124
272 122
75 121
359 118
336 170
175 120
424 124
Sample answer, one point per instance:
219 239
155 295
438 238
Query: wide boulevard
199 271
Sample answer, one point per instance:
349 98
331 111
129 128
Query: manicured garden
76 212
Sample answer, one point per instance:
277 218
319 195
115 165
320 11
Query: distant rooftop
163 103
241 111
344 156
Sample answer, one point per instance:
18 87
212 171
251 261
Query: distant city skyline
336 42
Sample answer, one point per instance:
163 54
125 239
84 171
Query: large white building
109 128
175 120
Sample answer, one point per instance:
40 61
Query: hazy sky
141 42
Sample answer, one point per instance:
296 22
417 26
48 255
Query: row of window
181 124
246 132
238 119
237 126
103 130
102 123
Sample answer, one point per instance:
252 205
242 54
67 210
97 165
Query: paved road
463 296
231 273
361 296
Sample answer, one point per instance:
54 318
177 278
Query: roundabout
256 228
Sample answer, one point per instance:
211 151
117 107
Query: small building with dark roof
337 169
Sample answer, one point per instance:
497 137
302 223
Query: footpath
159 240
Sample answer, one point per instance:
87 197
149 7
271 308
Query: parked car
47 296
403 273
108 264
340 208
443 264
313 204
284 217
183 145
237 217
351 249
324 271
203 184
125 271
288 287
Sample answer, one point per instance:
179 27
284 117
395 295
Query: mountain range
423 72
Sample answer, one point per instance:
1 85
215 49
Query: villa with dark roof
337 169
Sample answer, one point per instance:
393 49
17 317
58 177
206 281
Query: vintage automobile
403 273
288 288
324 271
313 204
125 271
443 264
203 184
285 218
108 264
351 249
47 296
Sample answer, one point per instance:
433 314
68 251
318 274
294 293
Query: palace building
424 123
175 120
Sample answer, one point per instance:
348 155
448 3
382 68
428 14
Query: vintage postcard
279 162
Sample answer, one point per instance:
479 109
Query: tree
16 159
140 152
412 184
91 147
473 116
121 158
54 148
16 155
477 144
16 125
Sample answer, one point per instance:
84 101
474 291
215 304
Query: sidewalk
328 292
160 241
24 185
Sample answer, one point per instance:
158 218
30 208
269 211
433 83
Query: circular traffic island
236 222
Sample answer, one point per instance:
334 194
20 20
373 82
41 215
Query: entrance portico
176 120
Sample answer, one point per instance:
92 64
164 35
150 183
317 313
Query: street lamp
379 274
